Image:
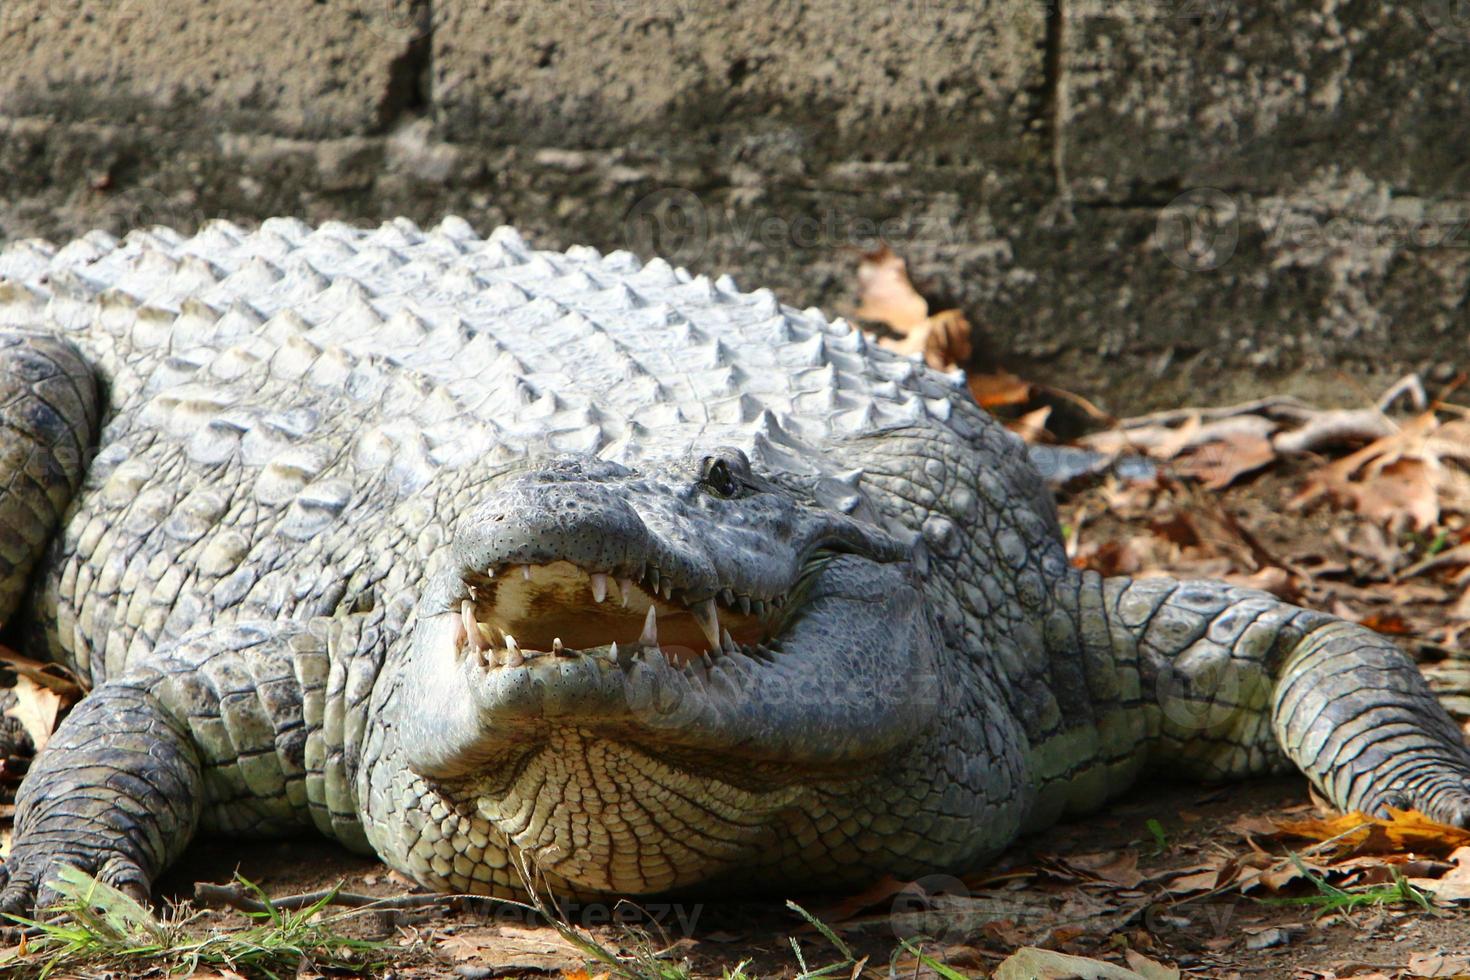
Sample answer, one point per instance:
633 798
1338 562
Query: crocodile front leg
229 729
48 415
116 793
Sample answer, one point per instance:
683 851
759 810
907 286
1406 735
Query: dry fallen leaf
1031 427
1387 622
53 676
1402 831
1202 878
1152 969
947 343
1438 964
1219 464
1402 491
885 293
998 389
1034 963
1110 558
1397 480
36 708
880 892
1116 867
943 339
1453 885
1275 874
539 950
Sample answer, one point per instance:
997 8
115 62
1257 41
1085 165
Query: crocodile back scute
513 349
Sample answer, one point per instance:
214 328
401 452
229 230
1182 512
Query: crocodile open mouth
514 613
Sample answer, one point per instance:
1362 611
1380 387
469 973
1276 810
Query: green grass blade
824 929
943 970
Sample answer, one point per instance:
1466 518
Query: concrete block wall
1148 201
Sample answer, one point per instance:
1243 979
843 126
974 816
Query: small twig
235 896
1088 408
1409 385
1278 404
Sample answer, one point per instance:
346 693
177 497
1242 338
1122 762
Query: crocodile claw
32 877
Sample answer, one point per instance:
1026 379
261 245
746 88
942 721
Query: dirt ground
1208 937
1135 877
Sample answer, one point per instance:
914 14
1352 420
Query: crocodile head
687 630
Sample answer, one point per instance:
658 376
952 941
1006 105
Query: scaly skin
352 491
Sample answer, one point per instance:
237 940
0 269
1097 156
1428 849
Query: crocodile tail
1234 682
1355 714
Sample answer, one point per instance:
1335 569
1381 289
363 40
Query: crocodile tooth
625 587
707 615
612 651
727 642
558 649
668 589
649 638
526 572
599 586
743 604
490 572
697 672
758 607
653 580
512 656
471 628
727 598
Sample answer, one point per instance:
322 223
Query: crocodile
495 561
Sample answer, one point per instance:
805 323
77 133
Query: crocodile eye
718 478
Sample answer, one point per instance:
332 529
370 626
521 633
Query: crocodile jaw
799 699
